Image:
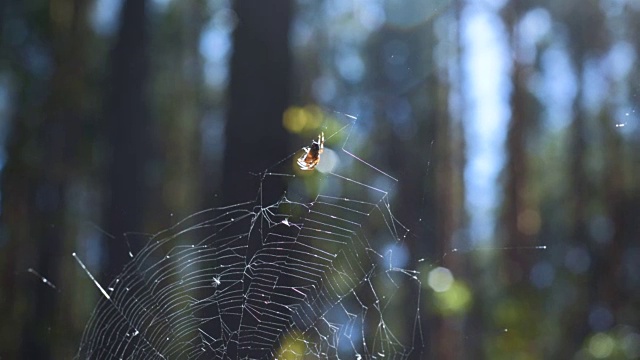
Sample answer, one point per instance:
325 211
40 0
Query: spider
311 156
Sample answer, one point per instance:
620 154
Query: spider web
293 279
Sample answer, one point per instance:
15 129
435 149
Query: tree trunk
128 133
255 138
258 95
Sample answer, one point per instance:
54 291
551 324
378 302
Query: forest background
512 128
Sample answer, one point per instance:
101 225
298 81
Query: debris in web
309 276
42 278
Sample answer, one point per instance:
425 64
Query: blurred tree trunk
621 207
580 16
48 149
128 134
520 214
418 159
578 328
450 194
177 88
259 93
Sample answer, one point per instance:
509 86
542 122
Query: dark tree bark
258 95
449 192
128 131
184 106
518 216
586 27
